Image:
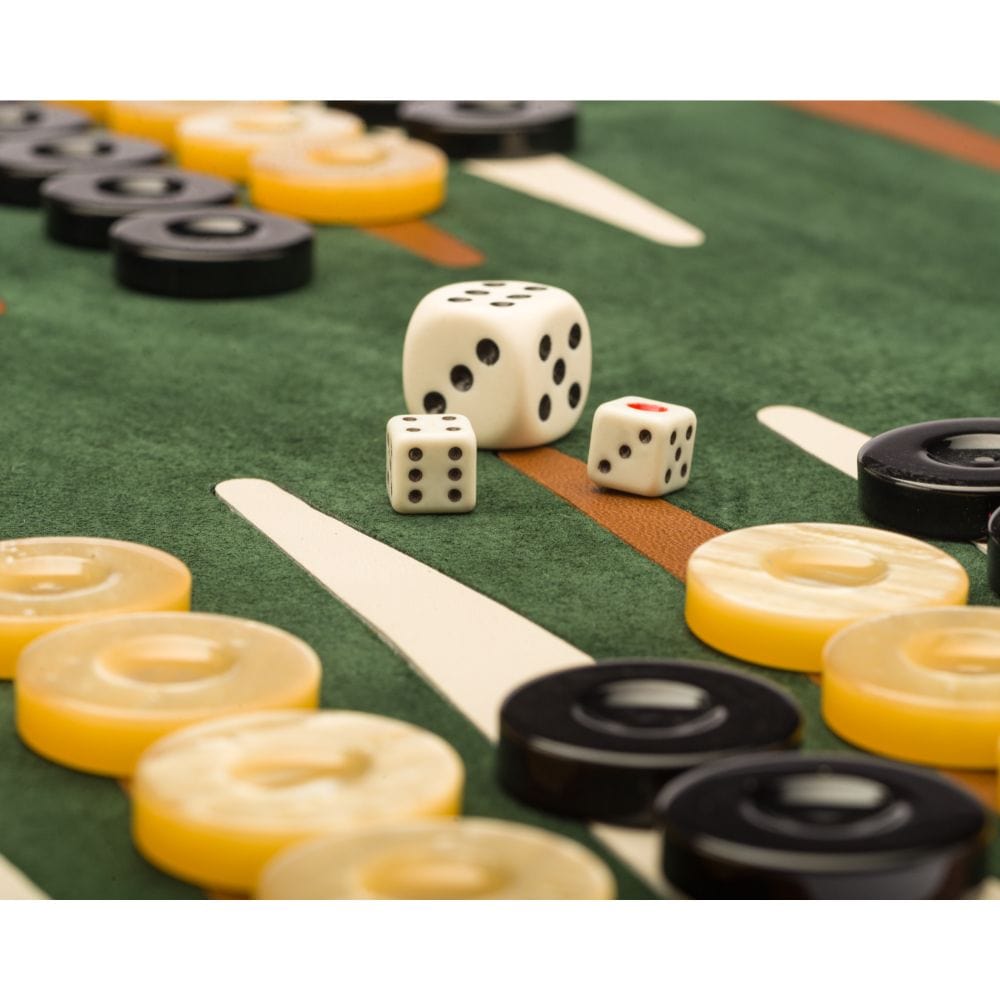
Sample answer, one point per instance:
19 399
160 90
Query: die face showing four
641 446
512 356
430 464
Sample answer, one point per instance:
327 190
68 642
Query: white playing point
430 464
512 356
556 179
641 446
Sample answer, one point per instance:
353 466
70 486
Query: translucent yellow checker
46 583
222 142
372 180
158 120
98 110
922 686
213 803
439 859
94 696
775 593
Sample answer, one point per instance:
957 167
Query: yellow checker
222 142
367 181
439 859
213 803
158 120
46 583
94 696
773 594
923 686
98 110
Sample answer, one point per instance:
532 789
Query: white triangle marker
431 620
14 884
562 181
820 437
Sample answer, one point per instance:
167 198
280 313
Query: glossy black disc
29 120
25 164
939 479
993 551
599 742
820 826
466 129
80 208
212 253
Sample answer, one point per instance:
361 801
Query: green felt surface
842 271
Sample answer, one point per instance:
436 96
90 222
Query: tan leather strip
429 242
660 531
3 307
913 125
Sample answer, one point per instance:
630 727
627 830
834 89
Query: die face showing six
512 356
641 446
430 464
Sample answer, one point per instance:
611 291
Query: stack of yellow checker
158 120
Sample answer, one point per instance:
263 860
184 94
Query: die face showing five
430 464
512 356
641 446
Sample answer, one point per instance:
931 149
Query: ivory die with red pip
430 463
641 446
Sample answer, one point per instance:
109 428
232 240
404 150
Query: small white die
430 464
641 446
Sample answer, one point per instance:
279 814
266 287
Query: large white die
512 356
641 446
430 464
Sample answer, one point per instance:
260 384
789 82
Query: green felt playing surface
842 271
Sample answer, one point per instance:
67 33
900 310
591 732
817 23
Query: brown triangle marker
664 534
428 241
910 124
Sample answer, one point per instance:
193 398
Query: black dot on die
534 288
499 305
412 430
449 417
415 454
684 469
487 351
677 455
454 495
459 298
603 465
689 432
574 395
434 403
416 475
559 372
454 454
668 476
624 451
415 496
454 475
495 284
673 437
645 437
453 428
461 378
544 408
409 420
545 347
575 333
475 291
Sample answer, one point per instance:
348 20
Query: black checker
212 253
25 164
80 208
506 129
820 826
939 479
30 120
599 742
